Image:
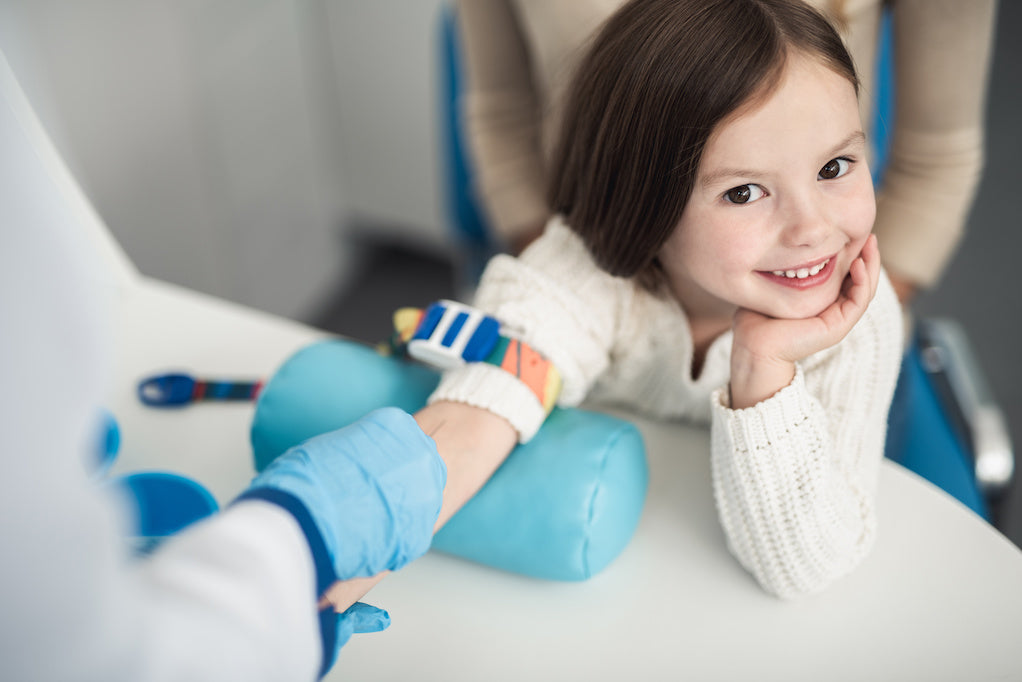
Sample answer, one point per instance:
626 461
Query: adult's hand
367 497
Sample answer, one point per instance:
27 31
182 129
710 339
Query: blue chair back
883 102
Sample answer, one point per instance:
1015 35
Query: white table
940 597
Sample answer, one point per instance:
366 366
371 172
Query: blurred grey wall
228 143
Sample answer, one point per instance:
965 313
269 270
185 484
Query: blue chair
944 424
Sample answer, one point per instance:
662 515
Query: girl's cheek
865 212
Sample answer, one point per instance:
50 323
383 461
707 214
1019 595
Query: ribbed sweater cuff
768 423
493 389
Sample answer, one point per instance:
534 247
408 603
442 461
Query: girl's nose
806 223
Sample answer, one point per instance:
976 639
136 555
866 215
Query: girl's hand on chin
765 349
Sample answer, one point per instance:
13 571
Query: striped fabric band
448 334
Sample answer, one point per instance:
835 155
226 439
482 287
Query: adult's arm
502 111
942 61
231 599
234 597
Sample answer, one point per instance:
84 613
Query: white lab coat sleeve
231 599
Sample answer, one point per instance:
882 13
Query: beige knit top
520 55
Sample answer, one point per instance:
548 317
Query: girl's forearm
473 444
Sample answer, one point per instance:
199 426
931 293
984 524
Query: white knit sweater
794 476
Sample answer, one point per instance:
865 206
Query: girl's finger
865 272
860 280
876 266
859 294
871 257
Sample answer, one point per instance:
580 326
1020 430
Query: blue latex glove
357 619
367 497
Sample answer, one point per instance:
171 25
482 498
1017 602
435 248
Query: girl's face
782 203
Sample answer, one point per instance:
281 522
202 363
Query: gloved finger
358 618
366 618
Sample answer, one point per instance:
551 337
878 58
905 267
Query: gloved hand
367 497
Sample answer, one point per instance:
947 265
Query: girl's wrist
754 379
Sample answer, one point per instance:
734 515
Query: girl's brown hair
660 75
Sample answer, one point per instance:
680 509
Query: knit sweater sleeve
795 476
554 298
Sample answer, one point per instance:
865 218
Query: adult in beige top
520 55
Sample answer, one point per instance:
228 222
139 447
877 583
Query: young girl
712 260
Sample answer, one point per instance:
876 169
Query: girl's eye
835 168
744 194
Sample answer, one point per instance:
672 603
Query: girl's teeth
801 273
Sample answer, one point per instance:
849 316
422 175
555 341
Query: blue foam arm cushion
561 507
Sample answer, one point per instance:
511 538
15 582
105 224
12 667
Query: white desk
940 597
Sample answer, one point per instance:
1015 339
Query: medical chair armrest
947 356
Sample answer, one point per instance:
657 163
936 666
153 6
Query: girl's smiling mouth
804 276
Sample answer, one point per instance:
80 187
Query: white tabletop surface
939 598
